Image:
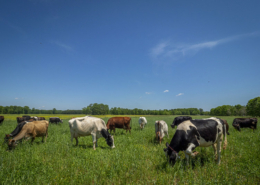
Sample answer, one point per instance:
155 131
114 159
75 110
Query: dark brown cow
227 126
41 118
119 122
26 117
20 119
2 118
244 122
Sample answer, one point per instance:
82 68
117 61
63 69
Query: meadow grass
137 158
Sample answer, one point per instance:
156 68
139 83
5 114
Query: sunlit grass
137 158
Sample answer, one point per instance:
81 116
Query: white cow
161 129
142 122
86 126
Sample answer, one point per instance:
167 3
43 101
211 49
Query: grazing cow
119 122
142 122
55 120
26 118
196 133
86 126
244 122
30 130
15 132
2 118
20 119
161 129
179 120
41 118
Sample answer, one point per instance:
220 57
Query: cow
161 129
15 131
196 133
30 130
2 118
55 120
86 126
179 119
20 119
244 122
26 117
34 117
142 122
119 122
41 118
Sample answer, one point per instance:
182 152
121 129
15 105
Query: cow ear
167 144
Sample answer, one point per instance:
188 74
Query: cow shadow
83 146
90 147
194 162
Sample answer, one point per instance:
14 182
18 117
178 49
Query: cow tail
225 135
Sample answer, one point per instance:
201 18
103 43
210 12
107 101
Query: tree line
251 109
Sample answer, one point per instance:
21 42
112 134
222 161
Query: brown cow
41 118
31 130
119 122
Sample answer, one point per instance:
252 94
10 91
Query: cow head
109 138
158 136
7 137
171 155
173 123
11 144
236 126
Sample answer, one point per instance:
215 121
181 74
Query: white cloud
16 98
43 106
171 51
180 94
166 91
148 93
62 45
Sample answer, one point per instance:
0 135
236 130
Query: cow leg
188 151
219 150
33 138
94 140
77 141
215 150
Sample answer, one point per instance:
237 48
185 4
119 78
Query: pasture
137 158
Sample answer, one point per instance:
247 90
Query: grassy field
137 158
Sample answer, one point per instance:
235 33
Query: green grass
137 159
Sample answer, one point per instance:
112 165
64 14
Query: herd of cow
190 133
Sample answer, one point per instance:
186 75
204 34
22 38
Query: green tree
54 111
253 107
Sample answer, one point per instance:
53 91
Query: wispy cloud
180 94
62 45
166 91
16 98
148 93
169 50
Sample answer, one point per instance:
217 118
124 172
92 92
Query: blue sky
129 54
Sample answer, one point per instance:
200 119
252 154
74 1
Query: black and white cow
244 122
179 120
55 120
196 133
